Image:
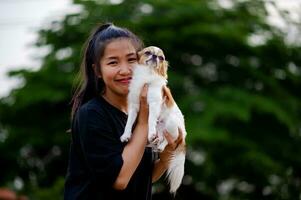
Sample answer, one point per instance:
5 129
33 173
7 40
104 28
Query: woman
100 166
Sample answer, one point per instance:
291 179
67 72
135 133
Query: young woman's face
116 66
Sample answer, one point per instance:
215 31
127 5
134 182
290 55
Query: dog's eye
148 53
161 58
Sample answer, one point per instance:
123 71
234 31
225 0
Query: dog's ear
140 54
163 68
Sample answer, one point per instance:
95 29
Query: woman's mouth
124 80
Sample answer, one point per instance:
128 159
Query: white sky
19 22
20 19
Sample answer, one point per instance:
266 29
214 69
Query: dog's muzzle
153 62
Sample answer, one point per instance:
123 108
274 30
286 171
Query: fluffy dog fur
164 114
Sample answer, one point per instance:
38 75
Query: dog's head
154 57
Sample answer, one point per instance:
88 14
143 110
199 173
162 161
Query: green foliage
239 96
54 192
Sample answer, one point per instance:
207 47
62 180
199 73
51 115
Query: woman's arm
134 150
159 168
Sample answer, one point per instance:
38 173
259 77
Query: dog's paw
160 149
125 138
156 141
161 146
155 149
152 138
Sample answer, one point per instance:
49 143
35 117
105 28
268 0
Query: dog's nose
154 57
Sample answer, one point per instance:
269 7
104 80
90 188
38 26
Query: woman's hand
143 110
161 164
170 147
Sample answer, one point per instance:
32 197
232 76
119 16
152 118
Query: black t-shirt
95 156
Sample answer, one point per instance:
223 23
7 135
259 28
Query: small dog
164 114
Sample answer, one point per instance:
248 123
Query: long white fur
161 118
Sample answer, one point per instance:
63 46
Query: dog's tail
175 171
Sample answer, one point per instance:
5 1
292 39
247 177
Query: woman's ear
96 71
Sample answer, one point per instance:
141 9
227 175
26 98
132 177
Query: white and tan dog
164 114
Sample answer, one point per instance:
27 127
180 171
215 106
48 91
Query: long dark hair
90 84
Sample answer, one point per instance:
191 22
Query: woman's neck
117 101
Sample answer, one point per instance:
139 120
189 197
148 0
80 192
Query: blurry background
235 73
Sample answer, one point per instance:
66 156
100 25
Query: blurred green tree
235 77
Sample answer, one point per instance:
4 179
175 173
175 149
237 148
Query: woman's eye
132 59
148 53
112 63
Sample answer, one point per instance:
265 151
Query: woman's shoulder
91 106
100 110
92 114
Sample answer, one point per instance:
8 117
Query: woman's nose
125 68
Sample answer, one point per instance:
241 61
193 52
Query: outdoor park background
235 75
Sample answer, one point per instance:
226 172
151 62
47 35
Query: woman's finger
180 136
168 137
144 91
143 96
143 110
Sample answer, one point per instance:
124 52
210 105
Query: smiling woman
100 166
